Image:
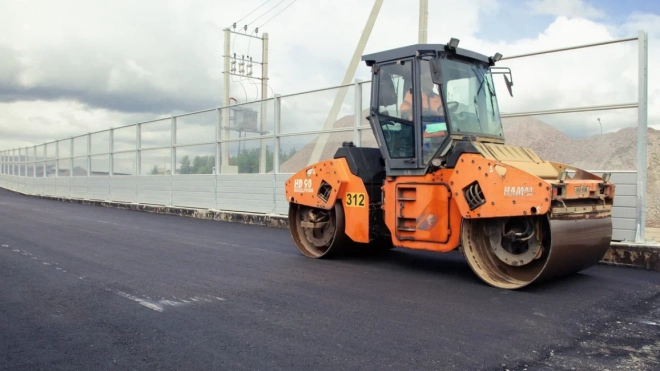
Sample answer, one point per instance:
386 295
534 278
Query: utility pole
224 131
348 77
244 118
264 104
423 21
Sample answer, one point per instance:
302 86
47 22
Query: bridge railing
237 158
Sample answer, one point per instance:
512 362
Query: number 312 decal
355 199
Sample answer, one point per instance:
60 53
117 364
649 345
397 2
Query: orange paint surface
507 191
421 212
426 212
325 183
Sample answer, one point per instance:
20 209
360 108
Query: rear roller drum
511 253
318 233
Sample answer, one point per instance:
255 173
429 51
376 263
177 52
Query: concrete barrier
646 256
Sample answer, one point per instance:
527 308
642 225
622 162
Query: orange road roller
442 178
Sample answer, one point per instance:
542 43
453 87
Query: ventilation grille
474 195
324 191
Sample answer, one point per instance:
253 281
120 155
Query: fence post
642 124
57 164
34 167
34 173
357 104
216 168
70 158
111 161
276 154
138 160
172 155
22 168
44 162
88 158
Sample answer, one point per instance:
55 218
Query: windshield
470 99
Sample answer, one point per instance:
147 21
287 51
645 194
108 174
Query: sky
78 66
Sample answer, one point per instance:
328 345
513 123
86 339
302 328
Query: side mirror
436 72
509 84
503 71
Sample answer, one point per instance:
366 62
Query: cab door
392 115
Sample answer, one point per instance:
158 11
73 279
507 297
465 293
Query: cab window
395 108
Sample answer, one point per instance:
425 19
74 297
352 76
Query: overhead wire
271 18
276 5
257 85
240 80
252 11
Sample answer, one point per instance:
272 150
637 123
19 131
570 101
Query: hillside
611 151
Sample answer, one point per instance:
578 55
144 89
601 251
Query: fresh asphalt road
92 288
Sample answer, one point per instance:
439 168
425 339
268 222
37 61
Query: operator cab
425 99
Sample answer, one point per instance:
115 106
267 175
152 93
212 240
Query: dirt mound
617 150
611 151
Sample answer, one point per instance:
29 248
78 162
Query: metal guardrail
69 161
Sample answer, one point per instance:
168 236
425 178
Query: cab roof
412 50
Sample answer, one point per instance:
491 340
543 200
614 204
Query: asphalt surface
86 287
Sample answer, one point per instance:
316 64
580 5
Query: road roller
441 178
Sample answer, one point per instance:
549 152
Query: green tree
203 165
154 170
248 160
199 165
185 165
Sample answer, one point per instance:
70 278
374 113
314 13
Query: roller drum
576 245
318 233
563 247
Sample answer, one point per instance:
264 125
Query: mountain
611 151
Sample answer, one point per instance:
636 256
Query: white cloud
587 77
569 8
26 123
166 57
76 63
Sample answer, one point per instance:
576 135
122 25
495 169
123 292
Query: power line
254 20
256 86
278 13
253 11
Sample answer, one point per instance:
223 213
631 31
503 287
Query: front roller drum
511 253
318 233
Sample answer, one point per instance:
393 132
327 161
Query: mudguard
325 183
